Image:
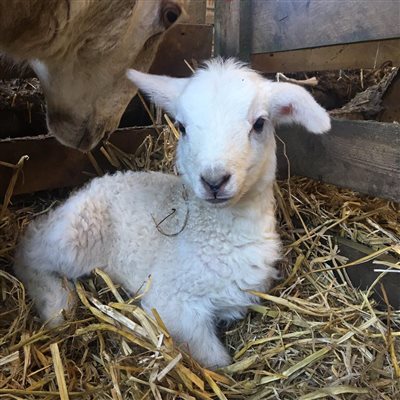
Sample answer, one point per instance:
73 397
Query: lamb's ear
289 103
162 90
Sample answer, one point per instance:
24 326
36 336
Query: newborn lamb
219 239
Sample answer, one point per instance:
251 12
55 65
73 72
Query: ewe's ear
289 103
162 90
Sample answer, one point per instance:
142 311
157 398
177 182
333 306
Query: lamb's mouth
218 200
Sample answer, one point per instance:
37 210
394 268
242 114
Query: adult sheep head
226 113
80 51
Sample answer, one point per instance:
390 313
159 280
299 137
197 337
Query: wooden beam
52 165
360 155
297 24
345 56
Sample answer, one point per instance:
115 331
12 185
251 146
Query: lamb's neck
258 203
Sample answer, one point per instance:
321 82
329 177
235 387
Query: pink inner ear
286 110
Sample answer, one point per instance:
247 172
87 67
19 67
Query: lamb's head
226 115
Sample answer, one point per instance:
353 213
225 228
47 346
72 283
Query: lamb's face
226 114
227 138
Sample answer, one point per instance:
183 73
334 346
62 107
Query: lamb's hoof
218 361
62 308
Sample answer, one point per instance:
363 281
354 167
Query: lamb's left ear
289 103
164 91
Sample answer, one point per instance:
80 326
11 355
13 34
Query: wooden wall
245 27
361 155
318 35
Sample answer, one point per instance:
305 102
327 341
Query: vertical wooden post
196 12
233 27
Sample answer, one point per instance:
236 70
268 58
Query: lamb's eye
182 129
259 125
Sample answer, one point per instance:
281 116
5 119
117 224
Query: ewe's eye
182 129
169 14
259 125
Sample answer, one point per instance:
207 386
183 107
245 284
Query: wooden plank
363 276
227 14
210 11
361 155
196 12
52 165
346 56
233 28
298 24
183 41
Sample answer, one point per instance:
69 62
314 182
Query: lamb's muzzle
204 273
214 184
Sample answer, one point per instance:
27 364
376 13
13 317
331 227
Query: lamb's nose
214 184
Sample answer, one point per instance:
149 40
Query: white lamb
219 242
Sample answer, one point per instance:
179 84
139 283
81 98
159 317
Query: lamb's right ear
289 103
164 91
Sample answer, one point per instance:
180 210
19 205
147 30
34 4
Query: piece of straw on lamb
219 243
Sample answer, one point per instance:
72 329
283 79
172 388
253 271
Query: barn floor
313 336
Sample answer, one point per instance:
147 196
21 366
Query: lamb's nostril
215 184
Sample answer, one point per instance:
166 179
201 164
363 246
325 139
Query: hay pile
22 108
313 336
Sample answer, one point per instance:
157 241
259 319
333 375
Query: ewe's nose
72 131
215 184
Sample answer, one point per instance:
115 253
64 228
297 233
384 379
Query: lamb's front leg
193 328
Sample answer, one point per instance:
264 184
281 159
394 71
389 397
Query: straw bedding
313 336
